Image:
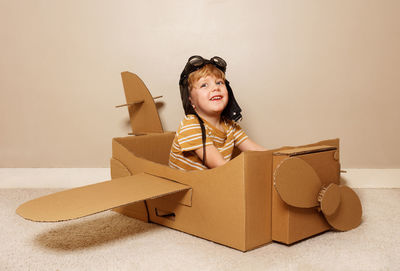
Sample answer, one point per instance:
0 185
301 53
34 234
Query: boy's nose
215 87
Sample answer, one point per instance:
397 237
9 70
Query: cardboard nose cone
297 183
348 214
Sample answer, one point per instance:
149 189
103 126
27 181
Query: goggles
195 63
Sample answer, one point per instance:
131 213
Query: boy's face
209 96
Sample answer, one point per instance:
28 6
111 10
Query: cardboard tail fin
95 198
143 112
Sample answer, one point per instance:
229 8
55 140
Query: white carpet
109 241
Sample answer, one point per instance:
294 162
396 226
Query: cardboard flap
142 109
95 198
304 150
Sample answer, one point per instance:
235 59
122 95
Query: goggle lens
219 62
196 61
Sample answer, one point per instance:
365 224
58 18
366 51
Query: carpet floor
110 241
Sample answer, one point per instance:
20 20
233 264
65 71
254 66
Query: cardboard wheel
297 183
348 214
330 199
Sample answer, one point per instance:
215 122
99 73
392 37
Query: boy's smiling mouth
216 98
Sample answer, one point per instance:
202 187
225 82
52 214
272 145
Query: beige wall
301 70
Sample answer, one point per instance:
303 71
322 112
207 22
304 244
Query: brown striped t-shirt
188 139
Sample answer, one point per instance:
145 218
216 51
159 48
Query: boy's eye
220 83
203 85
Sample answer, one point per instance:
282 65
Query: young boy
209 132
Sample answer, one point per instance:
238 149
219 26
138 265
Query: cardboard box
244 204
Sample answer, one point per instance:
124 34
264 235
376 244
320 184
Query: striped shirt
188 139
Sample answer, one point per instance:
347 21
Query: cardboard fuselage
235 204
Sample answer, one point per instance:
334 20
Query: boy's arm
250 145
213 157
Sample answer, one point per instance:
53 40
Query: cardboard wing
95 198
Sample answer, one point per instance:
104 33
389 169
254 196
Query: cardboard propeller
298 185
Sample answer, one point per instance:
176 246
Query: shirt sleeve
239 135
189 134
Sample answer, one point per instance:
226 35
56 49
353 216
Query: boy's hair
207 70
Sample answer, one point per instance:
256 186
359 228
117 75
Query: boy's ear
190 100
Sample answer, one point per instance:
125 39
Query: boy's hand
213 157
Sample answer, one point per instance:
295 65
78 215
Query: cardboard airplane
285 195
